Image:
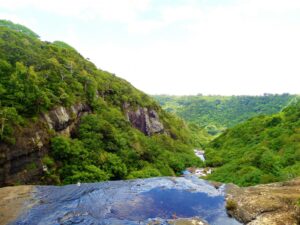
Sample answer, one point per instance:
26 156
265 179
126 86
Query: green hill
18 27
216 113
263 149
39 79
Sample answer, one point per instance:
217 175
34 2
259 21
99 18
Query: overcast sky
177 46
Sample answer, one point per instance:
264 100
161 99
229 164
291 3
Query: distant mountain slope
63 120
261 150
219 112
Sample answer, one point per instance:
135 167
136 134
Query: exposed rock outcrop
270 204
63 119
144 119
14 201
22 162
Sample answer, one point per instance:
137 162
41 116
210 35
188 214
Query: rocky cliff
144 119
22 162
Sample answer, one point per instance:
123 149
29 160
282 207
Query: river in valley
141 201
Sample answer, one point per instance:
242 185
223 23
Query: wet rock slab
183 200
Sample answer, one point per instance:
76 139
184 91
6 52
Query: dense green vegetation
261 150
36 76
216 113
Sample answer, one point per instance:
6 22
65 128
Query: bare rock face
270 204
63 119
144 119
22 161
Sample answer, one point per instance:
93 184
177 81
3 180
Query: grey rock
144 119
61 118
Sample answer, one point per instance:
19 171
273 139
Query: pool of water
128 202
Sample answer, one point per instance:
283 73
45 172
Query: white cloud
117 10
246 47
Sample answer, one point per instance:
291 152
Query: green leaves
114 166
8 118
118 150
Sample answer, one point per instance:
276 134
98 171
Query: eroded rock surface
167 200
270 204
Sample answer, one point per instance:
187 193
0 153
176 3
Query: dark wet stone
129 202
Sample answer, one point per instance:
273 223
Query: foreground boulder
269 204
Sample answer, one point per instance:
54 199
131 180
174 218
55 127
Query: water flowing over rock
167 200
144 119
21 162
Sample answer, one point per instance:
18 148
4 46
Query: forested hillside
216 113
263 149
38 76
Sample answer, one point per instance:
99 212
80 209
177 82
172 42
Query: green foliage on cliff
216 113
263 149
118 151
36 76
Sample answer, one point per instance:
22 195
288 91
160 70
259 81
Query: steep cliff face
22 162
144 119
